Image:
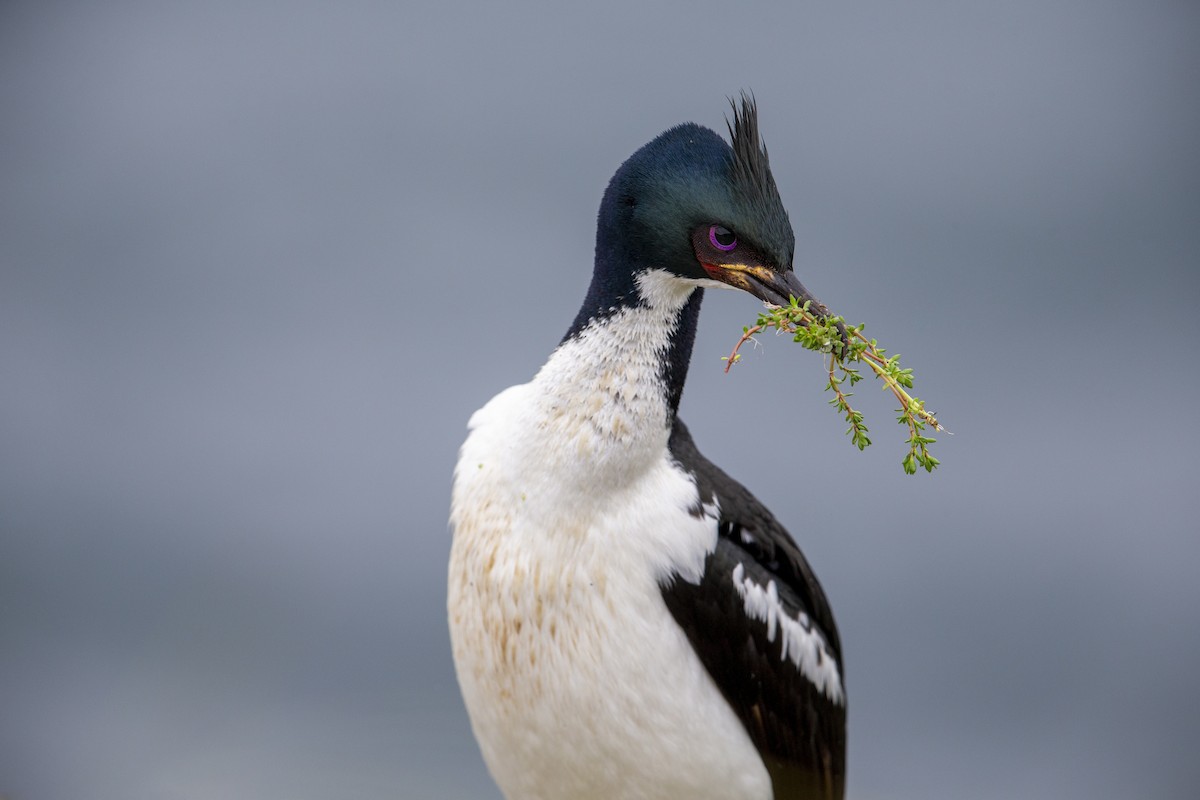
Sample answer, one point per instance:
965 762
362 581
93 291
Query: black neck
679 351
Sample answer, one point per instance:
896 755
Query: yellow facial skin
738 274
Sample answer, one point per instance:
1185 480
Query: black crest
751 172
762 217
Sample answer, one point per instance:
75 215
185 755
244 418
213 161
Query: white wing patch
803 643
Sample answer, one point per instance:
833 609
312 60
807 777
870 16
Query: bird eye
722 238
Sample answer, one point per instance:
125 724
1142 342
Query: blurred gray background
260 261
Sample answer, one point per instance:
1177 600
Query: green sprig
824 334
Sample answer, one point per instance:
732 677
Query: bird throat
612 388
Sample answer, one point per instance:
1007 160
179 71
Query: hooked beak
770 286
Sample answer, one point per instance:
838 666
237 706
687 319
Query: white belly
578 681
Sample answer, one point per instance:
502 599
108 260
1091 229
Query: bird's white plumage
568 511
803 644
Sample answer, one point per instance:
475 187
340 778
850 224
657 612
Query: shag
627 620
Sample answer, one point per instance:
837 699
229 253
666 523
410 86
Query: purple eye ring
722 238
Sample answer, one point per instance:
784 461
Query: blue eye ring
722 238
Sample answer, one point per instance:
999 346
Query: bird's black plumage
800 732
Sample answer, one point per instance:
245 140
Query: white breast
567 514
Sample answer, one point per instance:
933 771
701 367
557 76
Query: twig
845 345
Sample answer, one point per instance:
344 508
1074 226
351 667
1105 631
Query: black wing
798 727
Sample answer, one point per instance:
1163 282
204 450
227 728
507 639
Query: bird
626 620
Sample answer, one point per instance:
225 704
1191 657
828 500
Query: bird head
704 211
